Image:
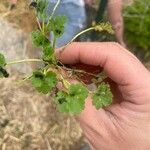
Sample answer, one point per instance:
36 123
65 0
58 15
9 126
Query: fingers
120 65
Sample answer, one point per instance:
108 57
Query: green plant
71 97
137 24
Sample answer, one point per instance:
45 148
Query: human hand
125 125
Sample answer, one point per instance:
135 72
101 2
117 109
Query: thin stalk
24 61
53 12
76 36
80 33
65 82
54 46
25 79
54 42
43 26
77 70
39 25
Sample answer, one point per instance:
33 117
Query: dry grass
29 120
22 16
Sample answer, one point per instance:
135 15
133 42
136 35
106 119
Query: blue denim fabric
76 20
77 2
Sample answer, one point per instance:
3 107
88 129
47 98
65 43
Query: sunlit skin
114 11
125 125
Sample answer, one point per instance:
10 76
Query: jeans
76 20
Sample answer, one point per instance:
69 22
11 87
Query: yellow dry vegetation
29 120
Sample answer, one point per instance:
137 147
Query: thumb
119 64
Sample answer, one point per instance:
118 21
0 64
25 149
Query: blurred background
29 120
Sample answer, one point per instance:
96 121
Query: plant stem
43 27
25 79
76 36
65 82
80 33
53 12
76 70
54 42
39 25
24 61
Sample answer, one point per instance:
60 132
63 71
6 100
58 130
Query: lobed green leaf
57 25
3 72
72 102
39 39
44 83
42 8
2 60
48 51
102 97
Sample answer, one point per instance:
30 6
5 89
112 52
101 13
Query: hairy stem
39 25
54 42
100 27
43 27
24 61
53 12
25 79
65 82
80 33
76 36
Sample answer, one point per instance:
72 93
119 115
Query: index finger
119 64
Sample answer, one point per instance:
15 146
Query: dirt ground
22 16
29 120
